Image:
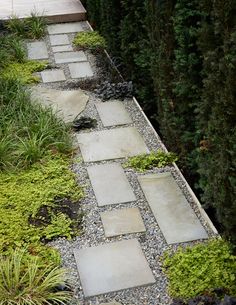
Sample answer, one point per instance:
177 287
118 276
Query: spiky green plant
24 281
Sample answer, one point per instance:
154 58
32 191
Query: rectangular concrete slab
122 221
112 267
65 57
66 48
111 144
51 76
57 40
37 50
110 184
173 213
64 28
113 113
80 70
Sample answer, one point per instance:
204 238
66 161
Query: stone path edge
195 199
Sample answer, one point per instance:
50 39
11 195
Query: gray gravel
152 241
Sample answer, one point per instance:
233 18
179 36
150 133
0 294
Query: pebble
152 241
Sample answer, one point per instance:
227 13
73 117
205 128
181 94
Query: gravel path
152 241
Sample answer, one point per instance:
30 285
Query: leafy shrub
24 71
27 282
201 268
33 27
89 40
25 193
149 161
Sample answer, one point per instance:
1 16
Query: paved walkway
115 265
54 10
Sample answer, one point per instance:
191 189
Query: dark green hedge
181 56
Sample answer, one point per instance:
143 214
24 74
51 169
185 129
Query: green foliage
24 281
33 27
154 159
25 194
180 56
195 270
89 40
27 129
13 63
216 112
24 71
11 50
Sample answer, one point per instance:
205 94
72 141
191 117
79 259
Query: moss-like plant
24 281
24 71
23 194
196 270
148 161
89 40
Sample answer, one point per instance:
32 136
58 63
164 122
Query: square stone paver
122 221
113 113
65 57
110 184
80 70
112 267
111 144
37 50
65 48
57 40
173 213
64 28
51 76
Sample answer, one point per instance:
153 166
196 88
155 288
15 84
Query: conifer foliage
181 56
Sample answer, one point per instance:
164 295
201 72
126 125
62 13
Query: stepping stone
37 50
64 28
65 57
51 76
110 184
113 267
173 213
111 144
66 104
123 221
80 70
113 113
66 48
57 40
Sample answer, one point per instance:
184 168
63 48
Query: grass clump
27 282
33 204
199 269
11 50
33 27
14 63
154 159
28 130
89 40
